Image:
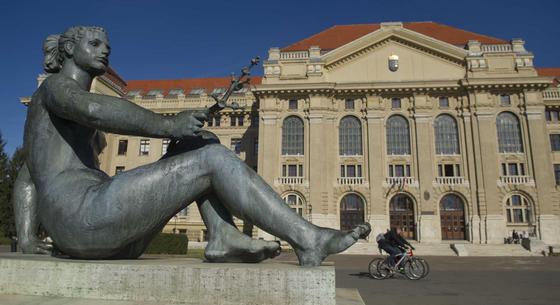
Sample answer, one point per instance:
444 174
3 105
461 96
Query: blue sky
180 39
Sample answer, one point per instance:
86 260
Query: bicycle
414 268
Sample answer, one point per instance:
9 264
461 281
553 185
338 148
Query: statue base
165 281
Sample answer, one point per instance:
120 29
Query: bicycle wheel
385 269
425 263
373 268
413 269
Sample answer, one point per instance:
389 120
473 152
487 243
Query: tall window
292 170
398 136
447 136
292 136
518 209
164 146
395 103
399 170
449 170
350 170
557 173
123 147
214 121
509 133
350 136
555 142
552 115
144 147
295 202
513 169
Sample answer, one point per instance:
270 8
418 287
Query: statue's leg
226 243
133 204
246 195
25 210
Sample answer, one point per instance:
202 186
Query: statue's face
91 53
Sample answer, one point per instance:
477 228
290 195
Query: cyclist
393 243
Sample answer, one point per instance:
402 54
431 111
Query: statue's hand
189 123
35 246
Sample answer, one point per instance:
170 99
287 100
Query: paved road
457 281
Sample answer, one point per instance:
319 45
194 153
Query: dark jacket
395 240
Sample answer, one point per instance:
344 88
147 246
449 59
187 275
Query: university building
448 134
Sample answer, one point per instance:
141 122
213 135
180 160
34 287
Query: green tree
16 162
6 210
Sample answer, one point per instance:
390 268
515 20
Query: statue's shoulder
59 81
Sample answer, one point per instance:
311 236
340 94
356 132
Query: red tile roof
549 72
209 84
113 76
340 35
554 72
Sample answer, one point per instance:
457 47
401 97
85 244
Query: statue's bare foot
34 245
329 241
235 247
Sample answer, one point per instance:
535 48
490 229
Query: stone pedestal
167 281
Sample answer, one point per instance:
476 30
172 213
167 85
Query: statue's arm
25 210
107 113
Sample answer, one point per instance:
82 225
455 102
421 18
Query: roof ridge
181 79
467 31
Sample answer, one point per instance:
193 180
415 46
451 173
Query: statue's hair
53 47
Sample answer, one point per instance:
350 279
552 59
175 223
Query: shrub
165 243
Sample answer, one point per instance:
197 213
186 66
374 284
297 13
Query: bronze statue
90 215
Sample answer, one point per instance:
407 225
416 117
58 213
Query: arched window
447 135
351 212
292 136
350 136
509 133
398 136
295 202
518 210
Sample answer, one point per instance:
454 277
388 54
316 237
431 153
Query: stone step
496 250
422 249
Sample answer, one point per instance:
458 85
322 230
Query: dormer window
176 92
218 91
197 91
154 93
133 93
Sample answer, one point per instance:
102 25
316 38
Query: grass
195 253
4 240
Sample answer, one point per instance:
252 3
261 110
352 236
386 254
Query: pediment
400 35
421 58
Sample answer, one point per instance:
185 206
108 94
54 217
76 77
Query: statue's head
87 47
